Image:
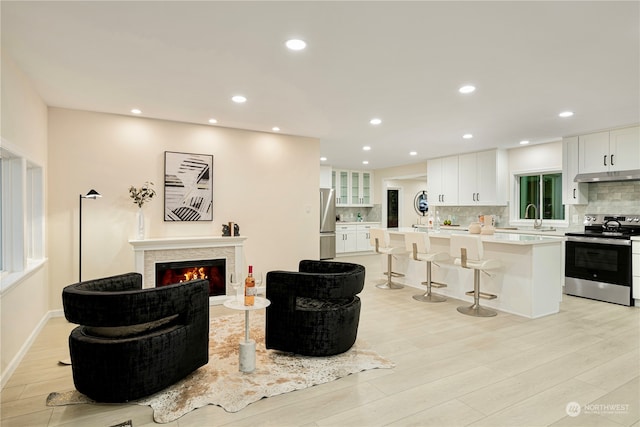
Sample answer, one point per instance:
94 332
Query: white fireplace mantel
149 251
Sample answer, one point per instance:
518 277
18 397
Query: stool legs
389 284
428 296
475 309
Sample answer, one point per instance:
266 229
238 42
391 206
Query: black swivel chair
314 311
134 342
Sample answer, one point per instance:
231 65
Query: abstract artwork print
188 187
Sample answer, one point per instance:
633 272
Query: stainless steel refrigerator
327 223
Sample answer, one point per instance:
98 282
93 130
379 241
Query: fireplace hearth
213 270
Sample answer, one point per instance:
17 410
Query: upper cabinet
361 188
610 151
442 181
352 188
468 179
340 185
574 193
483 178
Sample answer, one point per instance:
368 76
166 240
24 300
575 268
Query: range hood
630 175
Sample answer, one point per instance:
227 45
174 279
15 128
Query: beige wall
267 183
24 129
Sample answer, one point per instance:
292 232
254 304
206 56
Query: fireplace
214 270
230 249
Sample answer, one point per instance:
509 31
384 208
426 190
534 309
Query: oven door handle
599 241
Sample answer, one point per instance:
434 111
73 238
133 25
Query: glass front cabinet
353 188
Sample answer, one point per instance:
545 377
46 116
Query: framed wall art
188 187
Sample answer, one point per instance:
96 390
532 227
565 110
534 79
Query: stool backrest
420 240
381 235
471 242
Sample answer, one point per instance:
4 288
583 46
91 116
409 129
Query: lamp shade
92 194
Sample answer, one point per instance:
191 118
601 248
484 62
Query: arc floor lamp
92 194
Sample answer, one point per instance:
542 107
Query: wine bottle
249 288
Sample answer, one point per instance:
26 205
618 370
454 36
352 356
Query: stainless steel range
598 260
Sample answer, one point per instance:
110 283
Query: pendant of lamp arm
92 194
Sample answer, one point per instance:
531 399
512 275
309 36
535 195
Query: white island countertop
528 283
506 238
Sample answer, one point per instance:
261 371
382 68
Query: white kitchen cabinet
482 178
354 237
352 188
574 193
361 188
346 238
340 185
363 236
442 181
635 268
610 151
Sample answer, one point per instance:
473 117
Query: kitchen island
528 284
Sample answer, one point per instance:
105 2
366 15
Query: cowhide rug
221 383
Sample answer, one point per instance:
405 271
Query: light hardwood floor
451 370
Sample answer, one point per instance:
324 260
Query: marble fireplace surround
149 251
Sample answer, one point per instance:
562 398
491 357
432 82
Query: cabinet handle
612 160
604 160
574 193
477 197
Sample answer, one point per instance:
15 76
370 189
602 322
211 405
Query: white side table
248 346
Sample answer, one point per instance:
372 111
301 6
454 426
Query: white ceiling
400 61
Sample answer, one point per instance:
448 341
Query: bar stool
471 251
419 245
380 240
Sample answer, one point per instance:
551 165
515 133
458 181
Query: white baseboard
15 362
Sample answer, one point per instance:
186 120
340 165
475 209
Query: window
539 196
21 217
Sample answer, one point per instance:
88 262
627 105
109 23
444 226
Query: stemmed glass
235 284
258 278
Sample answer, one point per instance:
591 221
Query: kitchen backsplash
612 198
465 215
604 197
370 214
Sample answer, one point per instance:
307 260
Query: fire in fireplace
213 270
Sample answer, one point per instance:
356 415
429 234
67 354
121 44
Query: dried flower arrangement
143 194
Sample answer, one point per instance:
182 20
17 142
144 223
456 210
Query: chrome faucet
536 224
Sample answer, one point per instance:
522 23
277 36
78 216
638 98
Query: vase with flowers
141 196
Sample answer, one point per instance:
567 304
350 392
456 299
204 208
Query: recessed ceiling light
296 44
566 114
375 121
366 148
323 159
213 121
467 136
524 142
136 111
239 99
467 89
365 162
275 129
413 153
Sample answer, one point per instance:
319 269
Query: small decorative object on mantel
231 229
141 196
